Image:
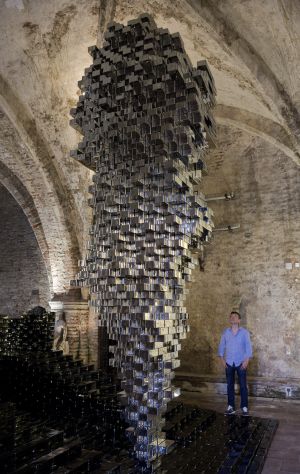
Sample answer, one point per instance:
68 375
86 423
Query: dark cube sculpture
145 114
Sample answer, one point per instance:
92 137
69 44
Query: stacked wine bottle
58 415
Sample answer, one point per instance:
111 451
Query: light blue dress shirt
236 348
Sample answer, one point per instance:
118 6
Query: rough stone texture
36 94
35 194
23 277
257 386
255 63
93 339
245 269
77 319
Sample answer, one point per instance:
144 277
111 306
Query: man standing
235 351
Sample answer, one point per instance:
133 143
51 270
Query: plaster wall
256 68
255 65
23 277
245 269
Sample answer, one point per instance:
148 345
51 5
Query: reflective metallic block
145 116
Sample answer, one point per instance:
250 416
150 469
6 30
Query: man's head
234 318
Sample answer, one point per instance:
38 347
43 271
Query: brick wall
246 269
23 278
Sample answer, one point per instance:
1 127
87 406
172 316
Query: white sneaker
230 410
245 411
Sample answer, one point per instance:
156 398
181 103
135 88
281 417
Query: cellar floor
284 454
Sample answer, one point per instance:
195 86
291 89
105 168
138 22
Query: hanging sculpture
145 114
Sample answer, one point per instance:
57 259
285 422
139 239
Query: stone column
93 338
82 332
77 319
56 306
59 337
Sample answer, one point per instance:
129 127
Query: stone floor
284 453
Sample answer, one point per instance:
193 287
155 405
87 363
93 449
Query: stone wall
246 269
23 277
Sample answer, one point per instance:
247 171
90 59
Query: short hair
237 313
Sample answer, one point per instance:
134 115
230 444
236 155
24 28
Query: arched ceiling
252 47
29 181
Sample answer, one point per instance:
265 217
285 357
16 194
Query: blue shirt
236 347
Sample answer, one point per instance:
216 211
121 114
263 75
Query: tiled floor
284 453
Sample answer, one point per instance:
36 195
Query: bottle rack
60 416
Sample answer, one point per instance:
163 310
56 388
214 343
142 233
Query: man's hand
223 362
245 364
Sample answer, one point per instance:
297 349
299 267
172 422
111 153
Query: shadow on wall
23 277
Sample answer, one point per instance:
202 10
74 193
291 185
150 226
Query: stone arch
271 131
23 198
35 183
211 12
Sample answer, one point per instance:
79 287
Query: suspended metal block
145 116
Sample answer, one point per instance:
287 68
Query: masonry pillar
93 338
57 307
60 328
77 319
81 325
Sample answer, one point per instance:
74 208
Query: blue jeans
242 377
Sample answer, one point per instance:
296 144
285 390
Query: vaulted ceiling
252 47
